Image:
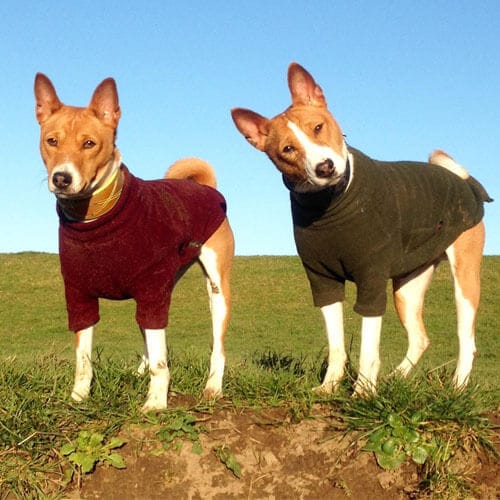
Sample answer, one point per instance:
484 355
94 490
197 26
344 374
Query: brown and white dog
368 221
121 237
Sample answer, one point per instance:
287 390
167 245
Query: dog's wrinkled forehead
310 147
71 121
311 127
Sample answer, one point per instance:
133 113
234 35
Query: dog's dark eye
288 149
88 144
317 128
52 141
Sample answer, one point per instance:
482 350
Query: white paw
364 388
80 392
460 381
154 404
324 389
210 393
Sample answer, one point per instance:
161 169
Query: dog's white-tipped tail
442 159
193 168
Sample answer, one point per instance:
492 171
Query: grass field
272 311
276 347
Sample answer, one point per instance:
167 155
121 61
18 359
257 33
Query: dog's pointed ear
45 97
105 104
252 126
303 88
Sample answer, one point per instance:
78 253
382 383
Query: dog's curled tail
193 168
444 160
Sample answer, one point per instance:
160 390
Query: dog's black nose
325 168
61 180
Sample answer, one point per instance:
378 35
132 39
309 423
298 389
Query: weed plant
424 419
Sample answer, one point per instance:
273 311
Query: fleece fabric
392 219
135 251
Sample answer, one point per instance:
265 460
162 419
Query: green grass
276 347
272 311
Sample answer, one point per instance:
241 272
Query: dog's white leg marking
144 364
409 294
466 316
219 311
334 323
158 369
83 369
465 268
369 358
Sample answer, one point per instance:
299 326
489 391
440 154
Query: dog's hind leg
334 323
83 368
465 255
216 258
409 294
155 359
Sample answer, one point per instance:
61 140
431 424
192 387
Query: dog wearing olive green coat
367 221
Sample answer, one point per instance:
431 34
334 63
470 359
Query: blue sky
402 78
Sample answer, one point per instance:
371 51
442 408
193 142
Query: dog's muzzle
325 169
61 180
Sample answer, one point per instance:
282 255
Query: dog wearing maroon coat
121 237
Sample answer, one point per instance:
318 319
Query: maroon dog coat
135 250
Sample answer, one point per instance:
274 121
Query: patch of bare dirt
279 459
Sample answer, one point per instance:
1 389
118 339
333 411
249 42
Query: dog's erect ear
304 90
104 102
46 98
252 126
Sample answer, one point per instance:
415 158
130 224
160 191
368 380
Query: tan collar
100 203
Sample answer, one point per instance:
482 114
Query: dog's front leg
369 358
334 322
155 351
83 368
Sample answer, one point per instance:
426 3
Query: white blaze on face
316 154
